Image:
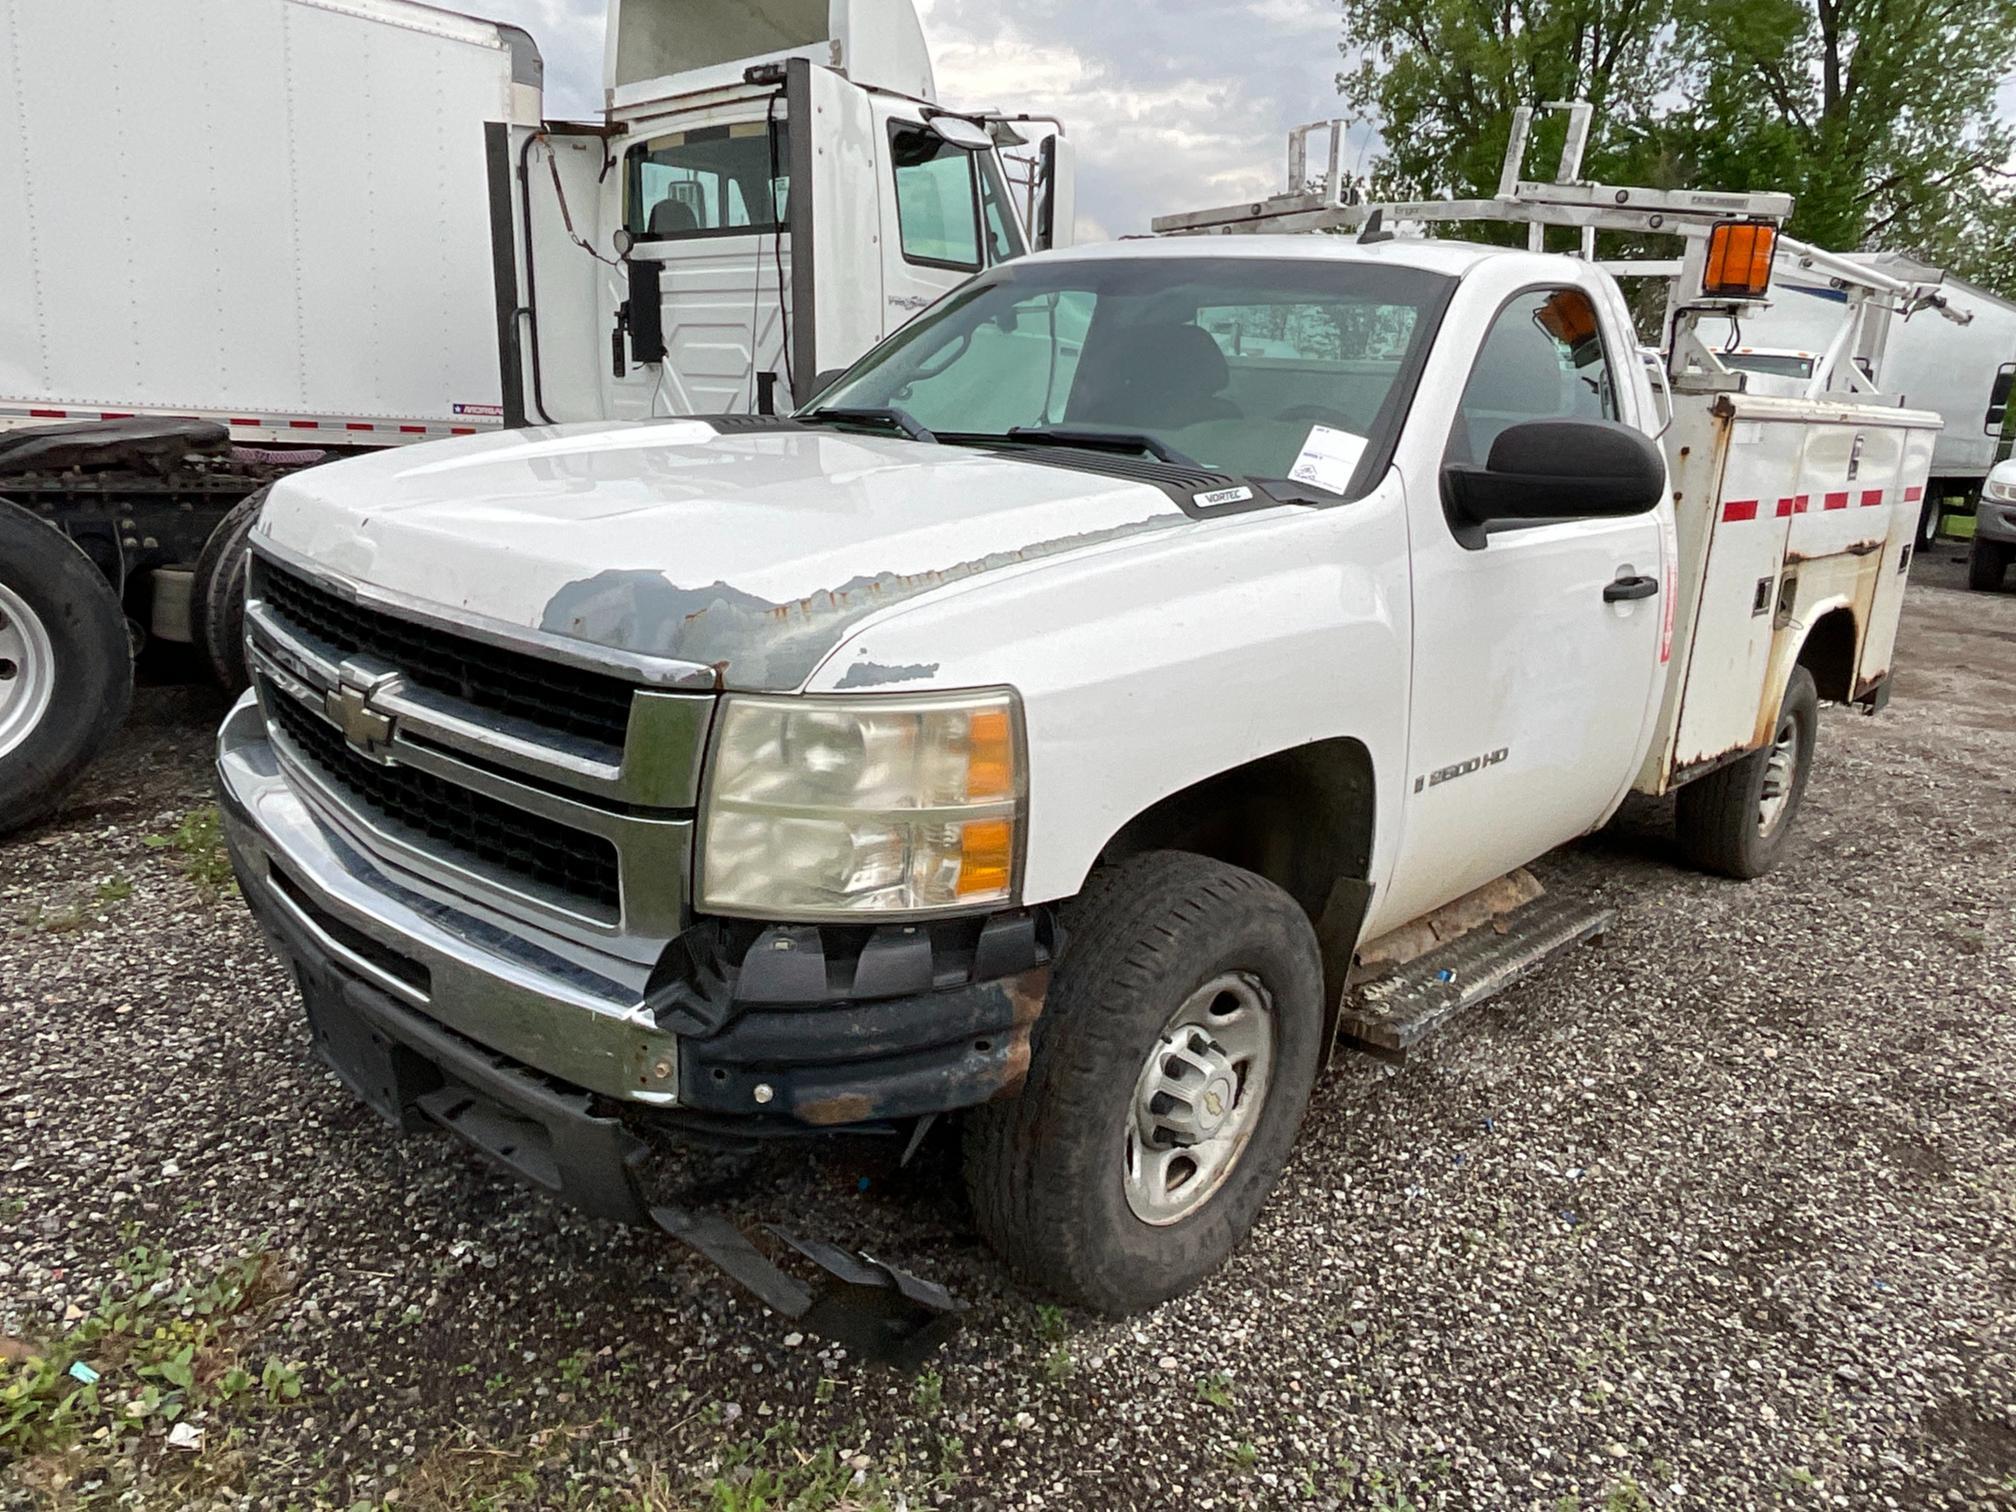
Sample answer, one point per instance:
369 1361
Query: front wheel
1987 565
1168 1074
1737 819
66 667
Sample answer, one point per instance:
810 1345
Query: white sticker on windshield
1328 458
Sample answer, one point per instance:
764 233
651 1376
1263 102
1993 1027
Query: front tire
1737 819
66 667
1168 1075
1987 565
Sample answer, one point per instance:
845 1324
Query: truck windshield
1233 361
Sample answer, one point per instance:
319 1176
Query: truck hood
752 553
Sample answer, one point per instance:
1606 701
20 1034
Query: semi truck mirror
647 311
1556 470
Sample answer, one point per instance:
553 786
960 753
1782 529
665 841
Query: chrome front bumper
546 1001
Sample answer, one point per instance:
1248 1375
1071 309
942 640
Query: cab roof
1452 258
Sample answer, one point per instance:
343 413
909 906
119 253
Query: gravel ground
1718 1214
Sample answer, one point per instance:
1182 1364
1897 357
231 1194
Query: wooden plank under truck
1039 726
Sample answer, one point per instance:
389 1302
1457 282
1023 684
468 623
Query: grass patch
160 1342
197 850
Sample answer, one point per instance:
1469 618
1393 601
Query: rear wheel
217 606
1736 820
66 669
1987 565
1168 1074
1930 518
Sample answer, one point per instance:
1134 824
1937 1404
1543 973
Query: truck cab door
1537 648
947 213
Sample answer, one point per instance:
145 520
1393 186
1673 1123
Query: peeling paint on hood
755 554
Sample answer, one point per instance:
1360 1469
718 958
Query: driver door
1534 691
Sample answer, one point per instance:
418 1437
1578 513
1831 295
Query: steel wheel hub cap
1779 769
27 670
1198 1097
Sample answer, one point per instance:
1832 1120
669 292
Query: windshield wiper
1101 440
888 415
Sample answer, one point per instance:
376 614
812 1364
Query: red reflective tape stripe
1787 507
1913 495
1871 497
412 430
49 414
248 422
461 430
1739 509
1837 501
358 425
304 424
114 415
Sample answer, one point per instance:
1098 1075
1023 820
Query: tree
1442 78
1878 115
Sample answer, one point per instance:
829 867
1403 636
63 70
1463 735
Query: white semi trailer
293 230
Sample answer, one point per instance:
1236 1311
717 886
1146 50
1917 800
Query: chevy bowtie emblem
368 730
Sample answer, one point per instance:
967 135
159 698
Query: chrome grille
573 701
516 842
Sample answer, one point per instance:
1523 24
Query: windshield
1241 363
1778 366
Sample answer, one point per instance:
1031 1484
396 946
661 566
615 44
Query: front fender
1152 665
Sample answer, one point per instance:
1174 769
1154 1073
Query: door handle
1625 588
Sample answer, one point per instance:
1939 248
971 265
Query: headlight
841 807
2004 491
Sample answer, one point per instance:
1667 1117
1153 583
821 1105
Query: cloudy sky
1174 104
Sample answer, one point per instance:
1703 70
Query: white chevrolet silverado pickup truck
1033 727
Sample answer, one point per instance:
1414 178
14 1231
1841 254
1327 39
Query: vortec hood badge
368 730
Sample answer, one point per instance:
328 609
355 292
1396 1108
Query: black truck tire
1736 820
217 604
1052 1174
1987 565
66 665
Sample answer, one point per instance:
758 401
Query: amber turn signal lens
986 857
990 756
1739 259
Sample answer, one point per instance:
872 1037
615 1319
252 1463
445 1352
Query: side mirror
967 136
1057 212
1555 470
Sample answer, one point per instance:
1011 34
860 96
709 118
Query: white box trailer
273 215
238 237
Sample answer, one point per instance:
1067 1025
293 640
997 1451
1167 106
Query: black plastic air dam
414 1073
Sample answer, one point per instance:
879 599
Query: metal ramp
1394 1013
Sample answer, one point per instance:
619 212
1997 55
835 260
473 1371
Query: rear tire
1987 565
1187 988
217 606
1736 820
1930 518
66 668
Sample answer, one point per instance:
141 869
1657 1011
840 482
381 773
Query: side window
937 211
711 181
1542 360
